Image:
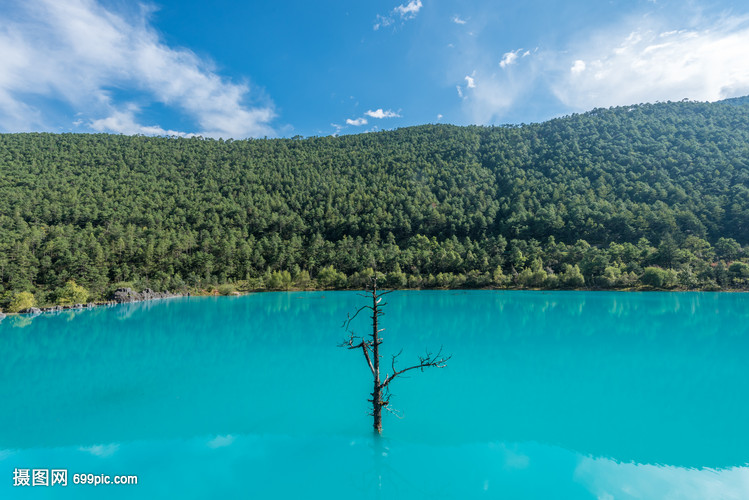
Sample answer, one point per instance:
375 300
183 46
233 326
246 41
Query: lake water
548 395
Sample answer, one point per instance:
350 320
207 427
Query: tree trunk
377 410
377 394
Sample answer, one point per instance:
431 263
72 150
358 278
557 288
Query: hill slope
433 199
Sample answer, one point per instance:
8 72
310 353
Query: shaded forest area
654 195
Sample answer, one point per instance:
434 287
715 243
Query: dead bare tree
370 346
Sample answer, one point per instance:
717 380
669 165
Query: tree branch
365 346
369 361
350 318
427 361
386 403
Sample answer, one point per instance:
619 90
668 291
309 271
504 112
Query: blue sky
280 69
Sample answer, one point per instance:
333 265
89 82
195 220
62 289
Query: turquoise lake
547 395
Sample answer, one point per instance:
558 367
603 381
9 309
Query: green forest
653 196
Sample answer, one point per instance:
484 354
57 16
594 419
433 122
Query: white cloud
402 12
460 91
490 99
651 63
410 9
357 122
123 122
510 58
379 113
382 22
458 20
439 117
641 59
470 82
578 66
73 53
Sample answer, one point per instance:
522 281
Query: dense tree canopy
586 200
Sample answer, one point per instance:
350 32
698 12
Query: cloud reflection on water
331 467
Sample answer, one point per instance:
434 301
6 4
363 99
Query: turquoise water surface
548 395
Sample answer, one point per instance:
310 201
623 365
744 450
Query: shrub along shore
74 296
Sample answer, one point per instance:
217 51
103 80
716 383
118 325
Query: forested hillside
654 195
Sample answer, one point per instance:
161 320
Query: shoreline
214 293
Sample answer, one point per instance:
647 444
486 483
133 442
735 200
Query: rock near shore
128 295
